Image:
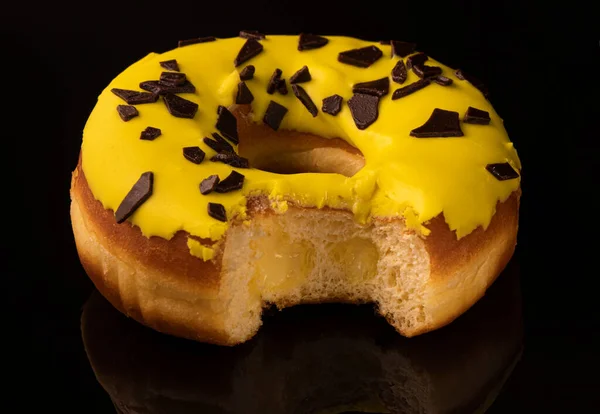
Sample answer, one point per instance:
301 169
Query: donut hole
293 152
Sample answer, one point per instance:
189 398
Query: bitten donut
228 175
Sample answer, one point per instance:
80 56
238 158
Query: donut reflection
324 359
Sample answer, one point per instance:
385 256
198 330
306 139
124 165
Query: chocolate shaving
247 73
170 65
234 181
179 107
135 97
150 133
442 80
161 89
186 42
379 87
305 99
208 184
363 57
399 73
226 146
216 146
502 171
282 87
424 71
232 159
364 109
301 76
194 154
274 115
217 211
402 49
332 105
227 124
309 41
172 79
252 34
385 42
243 96
460 74
274 81
410 88
250 49
127 112
441 123
477 116
414 60
139 193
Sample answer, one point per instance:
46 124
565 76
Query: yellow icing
199 250
403 176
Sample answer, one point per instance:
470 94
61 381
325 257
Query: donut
230 175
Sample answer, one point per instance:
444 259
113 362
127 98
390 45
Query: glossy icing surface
415 178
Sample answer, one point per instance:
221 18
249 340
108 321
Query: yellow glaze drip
403 176
200 251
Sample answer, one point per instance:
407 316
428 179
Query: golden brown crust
171 257
447 253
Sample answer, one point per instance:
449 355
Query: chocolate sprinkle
301 76
332 105
364 109
232 159
274 81
135 97
243 96
363 57
402 49
150 133
139 193
179 107
424 71
282 87
310 41
477 116
411 88
227 124
161 89
208 184
502 171
274 115
194 154
414 60
217 146
399 73
217 211
186 42
234 181
442 80
379 87
223 142
460 74
172 79
305 99
250 49
127 112
170 65
441 123
252 34
247 73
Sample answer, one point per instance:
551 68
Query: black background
541 66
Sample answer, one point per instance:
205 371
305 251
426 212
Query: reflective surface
312 359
